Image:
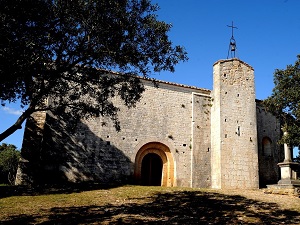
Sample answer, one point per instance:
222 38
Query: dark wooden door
151 170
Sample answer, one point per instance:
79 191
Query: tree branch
17 125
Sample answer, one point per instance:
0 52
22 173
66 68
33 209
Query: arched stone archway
267 147
153 150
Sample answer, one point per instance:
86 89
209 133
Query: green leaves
285 101
54 48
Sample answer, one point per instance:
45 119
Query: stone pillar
287 151
288 168
289 183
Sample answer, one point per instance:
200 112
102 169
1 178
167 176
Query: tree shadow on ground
67 188
189 207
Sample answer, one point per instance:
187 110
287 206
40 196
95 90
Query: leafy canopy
285 101
67 50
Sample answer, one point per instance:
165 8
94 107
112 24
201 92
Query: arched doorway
267 146
154 165
151 170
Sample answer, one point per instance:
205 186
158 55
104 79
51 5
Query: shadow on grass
189 207
7 191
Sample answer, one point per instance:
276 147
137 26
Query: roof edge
232 59
163 82
175 84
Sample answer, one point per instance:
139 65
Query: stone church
177 135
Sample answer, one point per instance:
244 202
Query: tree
285 101
67 50
297 159
9 158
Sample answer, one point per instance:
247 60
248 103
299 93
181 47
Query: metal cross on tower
232 45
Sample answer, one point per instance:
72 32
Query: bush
9 158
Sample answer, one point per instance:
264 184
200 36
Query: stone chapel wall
269 152
28 169
164 115
201 143
95 151
219 139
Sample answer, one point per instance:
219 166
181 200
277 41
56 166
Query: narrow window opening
225 135
238 131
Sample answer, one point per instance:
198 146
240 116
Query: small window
238 131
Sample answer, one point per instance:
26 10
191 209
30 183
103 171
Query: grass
145 205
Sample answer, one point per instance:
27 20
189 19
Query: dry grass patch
148 205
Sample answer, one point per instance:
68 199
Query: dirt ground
147 205
283 200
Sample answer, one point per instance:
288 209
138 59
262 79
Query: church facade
176 135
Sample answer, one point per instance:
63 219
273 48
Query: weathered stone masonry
234 135
177 134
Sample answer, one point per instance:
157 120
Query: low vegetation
145 205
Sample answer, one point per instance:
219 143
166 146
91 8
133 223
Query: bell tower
233 126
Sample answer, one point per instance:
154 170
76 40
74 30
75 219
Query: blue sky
268 37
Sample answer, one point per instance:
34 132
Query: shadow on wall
268 171
75 155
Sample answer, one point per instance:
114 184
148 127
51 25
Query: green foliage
9 158
66 50
297 158
285 101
